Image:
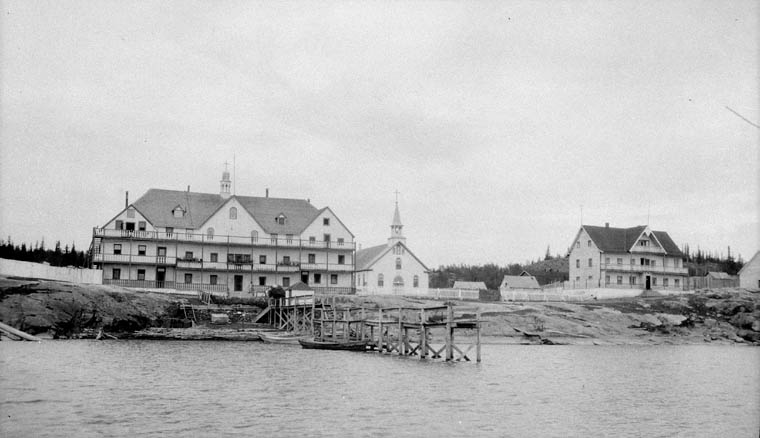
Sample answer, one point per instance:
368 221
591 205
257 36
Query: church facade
224 243
390 268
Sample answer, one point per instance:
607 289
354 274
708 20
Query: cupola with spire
397 234
225 183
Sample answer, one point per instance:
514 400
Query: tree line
700 261
66 256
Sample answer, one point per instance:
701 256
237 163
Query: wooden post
449 333
380 331
400 334
361 326
423 335
477 334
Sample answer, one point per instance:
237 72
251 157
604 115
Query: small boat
280 338
313 344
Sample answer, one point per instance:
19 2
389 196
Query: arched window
210 233
416 281
379 280
233 213
398 262
254 236
398 281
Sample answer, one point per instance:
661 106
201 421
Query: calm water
153 388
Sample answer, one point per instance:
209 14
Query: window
620 261
676 282
188 278
273 238
317 278
333 278
578 279
212 279
633 261
398 250
607 280
577 263
178 212
214 257
654 263
141 250
116 274
632 280
188 255
117 248
606 260
665 262
131 213
643 243
169 231
341 260
285 260
590 277
589 244
262 259
326 238
590 262
289 238
398 262
210 233
398 281
654 281
665 282
141 274
312 240
578 244
262 281
285 281
141 225
619 279
130 226
119 225
280 220
416 281
254 236
326 221
341 241
675 263
379 280
233 213
312 258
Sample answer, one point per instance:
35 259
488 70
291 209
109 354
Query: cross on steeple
225 164
397 193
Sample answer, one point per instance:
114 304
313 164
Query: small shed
721 279
511 282
749 276
470 285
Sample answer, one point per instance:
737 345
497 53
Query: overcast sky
495 121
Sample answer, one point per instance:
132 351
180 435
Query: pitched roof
365 257
519 282
755 259
720 275
610 239
396 218
157 205
469 285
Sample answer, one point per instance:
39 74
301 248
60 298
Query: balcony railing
136 259
644 268
279 242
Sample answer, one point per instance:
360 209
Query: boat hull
334 345
280 339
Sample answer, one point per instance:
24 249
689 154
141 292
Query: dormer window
280 219
178 211
643 243
233 213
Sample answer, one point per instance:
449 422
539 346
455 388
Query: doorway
648 282
305 277
238 283
160 277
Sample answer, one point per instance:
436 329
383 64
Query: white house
634 257
224 242
749 276
390 268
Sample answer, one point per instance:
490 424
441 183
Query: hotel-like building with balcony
634 257
224 243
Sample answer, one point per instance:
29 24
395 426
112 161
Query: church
390 268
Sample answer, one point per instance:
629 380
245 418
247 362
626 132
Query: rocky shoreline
60 310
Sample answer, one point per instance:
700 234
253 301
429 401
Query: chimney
126 200
267 192
606 225
188 188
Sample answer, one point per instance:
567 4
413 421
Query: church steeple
397 234
224 184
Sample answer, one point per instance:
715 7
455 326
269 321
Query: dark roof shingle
610 239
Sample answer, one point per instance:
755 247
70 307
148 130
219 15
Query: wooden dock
425 332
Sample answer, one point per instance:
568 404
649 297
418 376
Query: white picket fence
436 294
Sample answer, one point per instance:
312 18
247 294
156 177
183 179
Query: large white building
634 257
390 268
220 242
749 276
